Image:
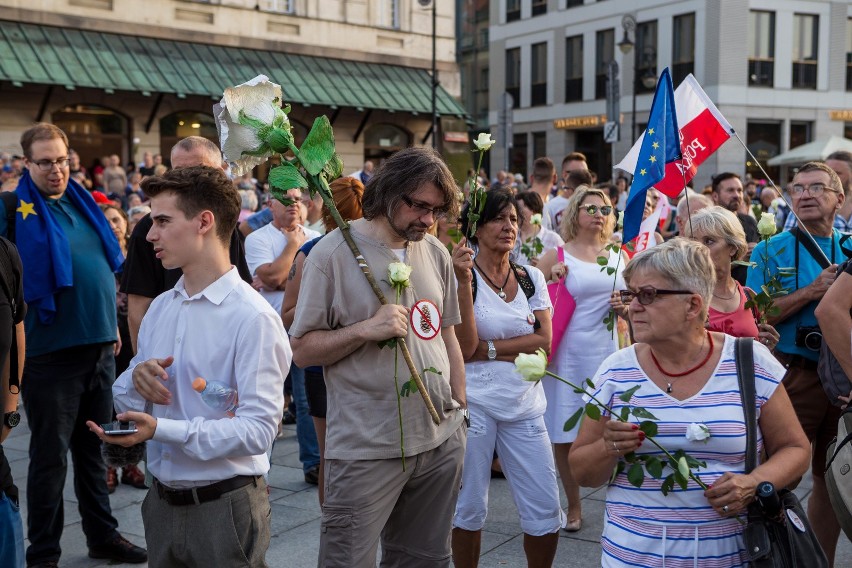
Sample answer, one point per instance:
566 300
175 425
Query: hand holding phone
118 428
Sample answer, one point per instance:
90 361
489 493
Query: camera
809 336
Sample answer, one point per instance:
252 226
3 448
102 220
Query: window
604 53
483 38
574 69
538 75
539 7
847 130
800 133
280 6
646 54
513 75
849 54
761 48
513 10
539 145
519 155
389 14
763 139
805 37
683 47
573 3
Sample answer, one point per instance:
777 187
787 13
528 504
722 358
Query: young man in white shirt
208 505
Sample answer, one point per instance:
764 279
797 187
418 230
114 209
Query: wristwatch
12 419
492 351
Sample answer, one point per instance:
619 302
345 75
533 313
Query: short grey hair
208 147
143 209
695 199
684 263
722 224
248 199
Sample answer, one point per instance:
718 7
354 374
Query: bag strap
812 248
745 376
521 275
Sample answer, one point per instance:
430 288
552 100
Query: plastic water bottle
217 395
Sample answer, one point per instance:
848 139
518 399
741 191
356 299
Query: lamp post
425 4
649 54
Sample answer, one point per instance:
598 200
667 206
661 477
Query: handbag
563 308
786 540
838 472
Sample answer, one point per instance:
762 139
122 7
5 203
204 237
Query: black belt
198 495
791 360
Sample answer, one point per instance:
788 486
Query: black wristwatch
12 419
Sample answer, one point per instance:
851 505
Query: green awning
112 62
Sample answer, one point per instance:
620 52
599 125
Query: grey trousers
230 531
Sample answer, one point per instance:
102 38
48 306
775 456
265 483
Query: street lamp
649 55
425 4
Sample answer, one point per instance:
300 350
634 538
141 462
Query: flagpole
801 225
686 196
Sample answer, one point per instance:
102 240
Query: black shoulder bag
785 540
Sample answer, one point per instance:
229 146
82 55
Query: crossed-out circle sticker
425 319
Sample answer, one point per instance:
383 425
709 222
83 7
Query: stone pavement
296 514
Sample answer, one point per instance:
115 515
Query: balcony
761 72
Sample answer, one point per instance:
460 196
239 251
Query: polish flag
703 130
647 231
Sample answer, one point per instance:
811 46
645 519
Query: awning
75 58
816 150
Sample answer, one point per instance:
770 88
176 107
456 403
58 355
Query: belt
791 360
199 495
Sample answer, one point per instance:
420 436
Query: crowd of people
128 285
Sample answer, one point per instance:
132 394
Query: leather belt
199 495
792 360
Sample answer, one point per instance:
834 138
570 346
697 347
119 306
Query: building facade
778 70
127 77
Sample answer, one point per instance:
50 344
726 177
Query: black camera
809 336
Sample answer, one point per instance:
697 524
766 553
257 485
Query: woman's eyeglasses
647 294
593 210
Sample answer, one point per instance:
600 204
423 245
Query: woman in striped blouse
687 378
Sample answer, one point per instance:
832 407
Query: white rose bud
535 219
766 225
531 366
399 274
697 432
483 142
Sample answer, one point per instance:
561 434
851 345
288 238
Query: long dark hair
495 201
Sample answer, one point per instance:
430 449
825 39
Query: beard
734 205
413 232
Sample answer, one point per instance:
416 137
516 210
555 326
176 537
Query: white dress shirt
227 333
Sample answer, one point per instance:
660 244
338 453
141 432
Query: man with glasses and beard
728 193
339 325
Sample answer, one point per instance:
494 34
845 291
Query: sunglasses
593 210
647 294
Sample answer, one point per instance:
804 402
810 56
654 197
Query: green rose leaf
333 169
625 413
668 484
636 475
283 178
628 394
407 388
602 260
650 428
640 412
571 423
654 467
318 147
590 383
593 412
681 480
432 370
683 467
389 343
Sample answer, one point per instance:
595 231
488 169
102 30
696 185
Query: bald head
196 151
695 203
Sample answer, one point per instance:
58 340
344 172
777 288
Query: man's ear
207 222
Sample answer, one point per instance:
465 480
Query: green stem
613 414
398 396
614 282
474 195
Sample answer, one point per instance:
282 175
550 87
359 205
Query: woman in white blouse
509 314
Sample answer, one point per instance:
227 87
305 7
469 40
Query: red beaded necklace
688 371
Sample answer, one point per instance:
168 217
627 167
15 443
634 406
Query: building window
763 139
683 47
573 3
761 44
539 146
805 37
604 53
513 75
279 6
574 69
513 10
646 52
389 14
849 54
539 7
800 133
538 75
519 155
847 130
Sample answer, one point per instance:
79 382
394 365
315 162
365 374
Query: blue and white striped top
642 526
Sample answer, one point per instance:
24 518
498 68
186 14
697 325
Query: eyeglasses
47 165
815 189
647 294
593 210
421 209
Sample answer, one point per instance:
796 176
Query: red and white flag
647 231
703 130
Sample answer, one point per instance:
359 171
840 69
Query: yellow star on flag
26 209
655 145
650 131
643 171
653 159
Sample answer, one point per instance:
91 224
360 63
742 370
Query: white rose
531 366
697 432
535 219
399 274
766 225
620 222
483 142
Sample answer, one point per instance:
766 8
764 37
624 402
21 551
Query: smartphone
118 428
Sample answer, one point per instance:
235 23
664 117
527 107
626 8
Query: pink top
739 323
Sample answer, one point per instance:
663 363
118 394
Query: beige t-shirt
362 421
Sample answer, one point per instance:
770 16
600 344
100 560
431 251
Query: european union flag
660 146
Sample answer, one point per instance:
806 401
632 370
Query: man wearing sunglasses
817 195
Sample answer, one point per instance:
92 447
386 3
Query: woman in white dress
532 236
587 226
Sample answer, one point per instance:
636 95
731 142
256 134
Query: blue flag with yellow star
660 146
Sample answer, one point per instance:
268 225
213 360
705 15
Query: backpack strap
10 202
524 280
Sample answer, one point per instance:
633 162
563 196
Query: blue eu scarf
44 248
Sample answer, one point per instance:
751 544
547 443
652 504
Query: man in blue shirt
817 196
71 335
